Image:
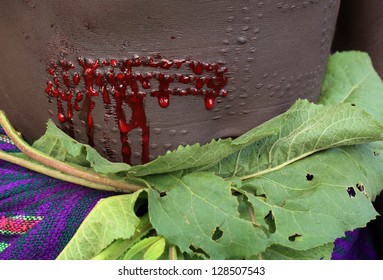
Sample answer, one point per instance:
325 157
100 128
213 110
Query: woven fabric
39 215
356 245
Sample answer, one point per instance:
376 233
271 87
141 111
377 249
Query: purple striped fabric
26 194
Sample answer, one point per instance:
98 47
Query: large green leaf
111 219
307 129
199 214
192 157
351 78
314 201
304 129
301 215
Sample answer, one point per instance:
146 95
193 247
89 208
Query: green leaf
314 201
150 248
59 145
282 253
192 157
200 215
351 78
111 219
307 129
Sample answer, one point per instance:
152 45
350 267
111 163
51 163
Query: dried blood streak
116 80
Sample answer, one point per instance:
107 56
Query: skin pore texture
135 82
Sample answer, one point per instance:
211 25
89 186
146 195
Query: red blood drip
197 67
66 80
89 69
78 99
61 117
76 79
99 81
48 89
184 79
166 64
179 62
224 93
56 81
105 95
113 62
163 101
199 82
70 114
209 102
120 80
137 61
209 67
123 127
192 91
120 76
152 63
144 81
163 90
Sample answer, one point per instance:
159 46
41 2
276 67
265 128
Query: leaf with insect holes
198 213
314 201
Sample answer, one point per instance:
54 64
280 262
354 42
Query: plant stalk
100 181
172 252
52 172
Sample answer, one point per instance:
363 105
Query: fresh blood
126 82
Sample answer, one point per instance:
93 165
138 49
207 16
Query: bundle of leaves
284 190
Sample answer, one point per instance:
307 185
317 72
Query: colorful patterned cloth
39 215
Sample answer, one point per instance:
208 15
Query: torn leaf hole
360 187
163 194
351 192
309 177
141 205
269 220
199 251
217 234
293 237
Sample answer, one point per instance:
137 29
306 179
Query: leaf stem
277 167
172 252
52 172
62 166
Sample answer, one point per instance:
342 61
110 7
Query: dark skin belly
202 69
